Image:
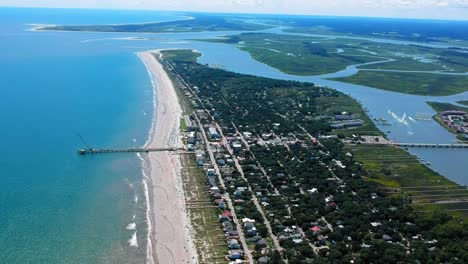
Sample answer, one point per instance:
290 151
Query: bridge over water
413 145
429 145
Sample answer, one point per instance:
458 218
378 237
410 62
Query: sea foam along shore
170 238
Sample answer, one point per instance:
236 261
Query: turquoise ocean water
56 206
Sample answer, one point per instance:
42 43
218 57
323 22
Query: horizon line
232 13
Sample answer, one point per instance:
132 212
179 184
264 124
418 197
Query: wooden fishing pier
126 150
91 150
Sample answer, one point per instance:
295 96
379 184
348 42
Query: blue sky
438 9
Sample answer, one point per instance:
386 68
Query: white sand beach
170 233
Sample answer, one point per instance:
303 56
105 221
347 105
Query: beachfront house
233 244
225 216
235 254
191 138
200 157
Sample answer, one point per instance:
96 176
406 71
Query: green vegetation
290 95
441 107
183 124
410 83
416 58
400 173
181 55
295 54
406 57
200 22
463 102
204 217
405 64
308 183
301 55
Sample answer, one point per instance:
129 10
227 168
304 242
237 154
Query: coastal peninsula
196 22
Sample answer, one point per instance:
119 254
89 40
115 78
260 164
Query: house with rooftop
233 244
261 243
192 137
235 254
200 157
225 216
236 146
315 229
213 134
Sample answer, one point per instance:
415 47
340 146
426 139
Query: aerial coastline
170 237
197 145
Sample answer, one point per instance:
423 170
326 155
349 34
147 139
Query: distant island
195 23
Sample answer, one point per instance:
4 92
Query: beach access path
170 230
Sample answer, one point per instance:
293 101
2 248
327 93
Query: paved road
247 252
254 197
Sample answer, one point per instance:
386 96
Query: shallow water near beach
59 207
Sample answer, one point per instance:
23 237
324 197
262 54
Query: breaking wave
133 242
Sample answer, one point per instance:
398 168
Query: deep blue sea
59 207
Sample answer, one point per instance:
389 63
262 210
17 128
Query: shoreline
169 230
49 27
